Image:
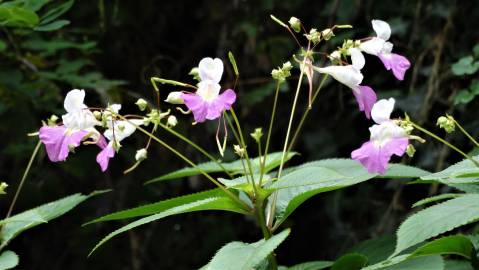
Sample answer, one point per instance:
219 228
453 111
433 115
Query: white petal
384 132
122 129
357 58
373 46
74 100
208 90
382 110
387 48
79 120
175 98
211 69
382 29
347 75
115 107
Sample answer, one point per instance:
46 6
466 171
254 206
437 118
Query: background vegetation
112 48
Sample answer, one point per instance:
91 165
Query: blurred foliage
112 48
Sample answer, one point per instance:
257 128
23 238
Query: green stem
235 134
24 177
259 211
305 114
444 142
197 147
466 133
268 137
191 163
285 146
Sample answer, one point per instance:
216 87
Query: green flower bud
175 98
3 186
195 73
295 23
239 150
171 121
257 134
282 73
447 123
327 33
142 104
314 36
410 150
141 155
97 115
52 121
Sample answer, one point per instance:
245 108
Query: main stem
444 142
285 146
24 177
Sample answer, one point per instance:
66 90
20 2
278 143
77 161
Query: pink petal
103 158
197 105
366 97
376 158
220 104
57 141
398 63
102 142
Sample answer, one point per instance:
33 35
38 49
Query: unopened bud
52 121
175 98
295 23
282 73
3 186
327 33
314 36
141 155
97 115
142 104
171 121
195 73
447 123
257 134
239 150
410 150
335 56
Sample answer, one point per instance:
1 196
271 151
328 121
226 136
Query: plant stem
285 146
444 142
268 137
197 147
259 211
305 114
235 134
191 163
466 133
24 177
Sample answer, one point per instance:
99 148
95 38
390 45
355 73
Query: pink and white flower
207 103
382 48
117 131
78 125
387 139
351 76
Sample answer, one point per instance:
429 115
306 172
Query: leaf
459 173
463 97
312 178
456 244
208 203
419 263
8 260
56 12
437 219
465 66
235 167
233 63
458 265
16 224
243 256
52 26
316 265
220 202
436 198
350 261
17 17
376 250
475 50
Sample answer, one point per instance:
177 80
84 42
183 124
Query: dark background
134 40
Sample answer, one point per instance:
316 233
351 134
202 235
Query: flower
207 103
78 125
381 47
117 131
387 139
351 76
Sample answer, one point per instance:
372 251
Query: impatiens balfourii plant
261 186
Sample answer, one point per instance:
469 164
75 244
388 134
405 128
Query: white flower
357 58
382 110
210 69
347 75
121 129
208 90
78 117
378 44
383 133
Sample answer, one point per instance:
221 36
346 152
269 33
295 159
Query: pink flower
382 48
58 141
387 139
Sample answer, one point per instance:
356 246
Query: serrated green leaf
352 261
235 167
52 26
17 17
8 260
463 172
465 66
316 265
316 177
402 263
437 219
197 205
451 245
376 250
243 256
436 198
14 225
220 202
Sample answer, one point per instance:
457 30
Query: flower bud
295 23
282 73
142 104
410 150
447 123
239 150
175 98
257 134
327 34
141 155
195 73
3 186
52 121
97 115
314 36
171 121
